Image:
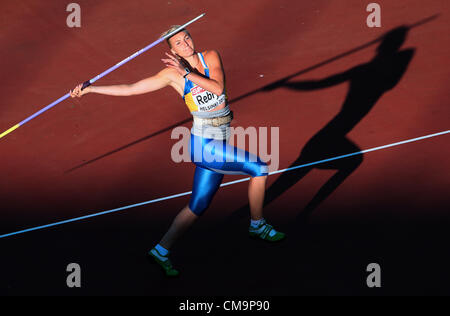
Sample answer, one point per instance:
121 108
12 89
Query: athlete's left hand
177 63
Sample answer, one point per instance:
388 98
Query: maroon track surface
100 152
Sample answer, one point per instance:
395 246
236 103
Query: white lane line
222 185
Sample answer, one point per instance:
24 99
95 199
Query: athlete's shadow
368 82
250 93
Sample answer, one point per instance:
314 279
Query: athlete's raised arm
216 81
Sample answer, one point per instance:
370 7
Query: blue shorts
214 158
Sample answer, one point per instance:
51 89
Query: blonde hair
173 28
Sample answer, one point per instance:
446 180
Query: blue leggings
214 158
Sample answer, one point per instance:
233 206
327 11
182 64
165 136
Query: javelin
89 82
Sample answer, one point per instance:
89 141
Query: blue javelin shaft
142 50
91 81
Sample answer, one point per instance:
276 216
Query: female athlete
199 78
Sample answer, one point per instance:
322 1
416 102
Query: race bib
206 100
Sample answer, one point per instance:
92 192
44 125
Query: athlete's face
182 44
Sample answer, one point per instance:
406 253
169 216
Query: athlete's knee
262 177
190 211
259 169
199 205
